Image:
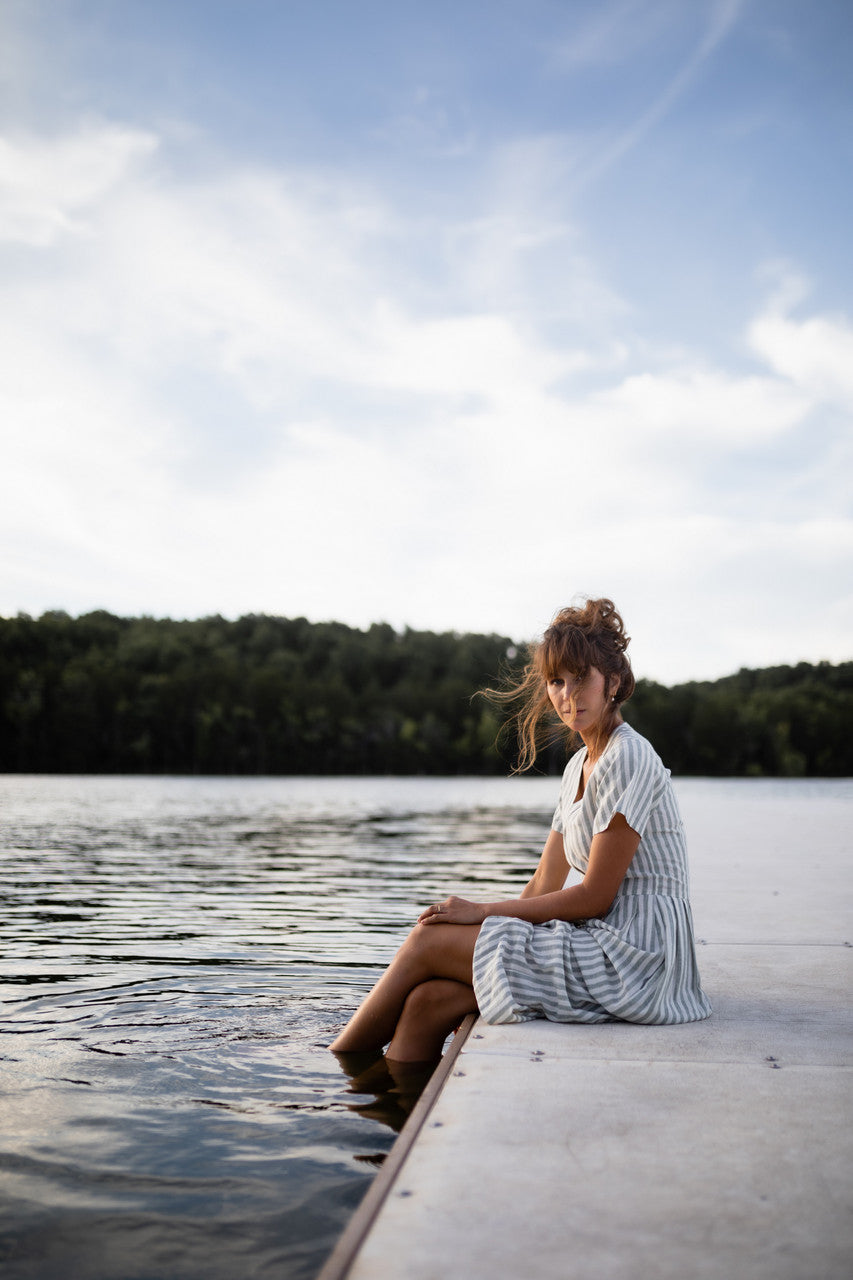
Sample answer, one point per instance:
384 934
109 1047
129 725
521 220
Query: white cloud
48 185
430 456
482 355
702 405
815 354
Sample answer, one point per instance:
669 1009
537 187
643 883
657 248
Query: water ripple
177 955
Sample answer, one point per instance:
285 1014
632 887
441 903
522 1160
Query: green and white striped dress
637 963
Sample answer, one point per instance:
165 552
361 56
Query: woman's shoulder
628 746
629 778
625 736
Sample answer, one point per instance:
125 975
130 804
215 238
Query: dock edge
345 1251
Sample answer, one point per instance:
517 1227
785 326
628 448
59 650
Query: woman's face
580 704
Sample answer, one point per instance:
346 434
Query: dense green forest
267 695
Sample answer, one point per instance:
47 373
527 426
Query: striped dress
638 962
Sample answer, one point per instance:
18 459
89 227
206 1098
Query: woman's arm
610 856
552 870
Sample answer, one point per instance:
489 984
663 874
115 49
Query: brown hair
580 637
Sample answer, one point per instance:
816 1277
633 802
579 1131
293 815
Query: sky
440 314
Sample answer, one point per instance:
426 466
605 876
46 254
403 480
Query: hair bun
596 616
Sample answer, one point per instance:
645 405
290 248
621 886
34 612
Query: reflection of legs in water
430 952
431 1012
396 1086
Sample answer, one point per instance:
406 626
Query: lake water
177 955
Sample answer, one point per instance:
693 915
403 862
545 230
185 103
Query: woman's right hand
453 911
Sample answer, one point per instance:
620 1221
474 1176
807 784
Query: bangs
565 649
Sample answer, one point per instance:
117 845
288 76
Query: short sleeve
557 820
629 783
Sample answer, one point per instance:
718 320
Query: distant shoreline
275 697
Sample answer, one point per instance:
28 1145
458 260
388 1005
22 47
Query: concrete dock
717 1149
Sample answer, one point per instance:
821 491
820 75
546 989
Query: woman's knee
421 943
430 998
427 940
439 1002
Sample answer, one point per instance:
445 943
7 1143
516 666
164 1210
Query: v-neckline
583 782
580 790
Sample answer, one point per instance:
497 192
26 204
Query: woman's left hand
453 911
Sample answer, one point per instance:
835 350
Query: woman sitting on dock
619 944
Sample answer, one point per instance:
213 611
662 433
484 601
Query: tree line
269 695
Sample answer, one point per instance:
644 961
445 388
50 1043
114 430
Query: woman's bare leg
430 951
432 1010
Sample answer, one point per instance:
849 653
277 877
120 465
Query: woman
618 945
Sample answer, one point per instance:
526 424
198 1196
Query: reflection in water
394 1086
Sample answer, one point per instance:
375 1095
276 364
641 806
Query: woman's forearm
574 903
610 855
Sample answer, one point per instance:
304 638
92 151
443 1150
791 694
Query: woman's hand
453 911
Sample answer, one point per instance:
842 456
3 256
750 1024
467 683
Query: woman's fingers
452 911
437 910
